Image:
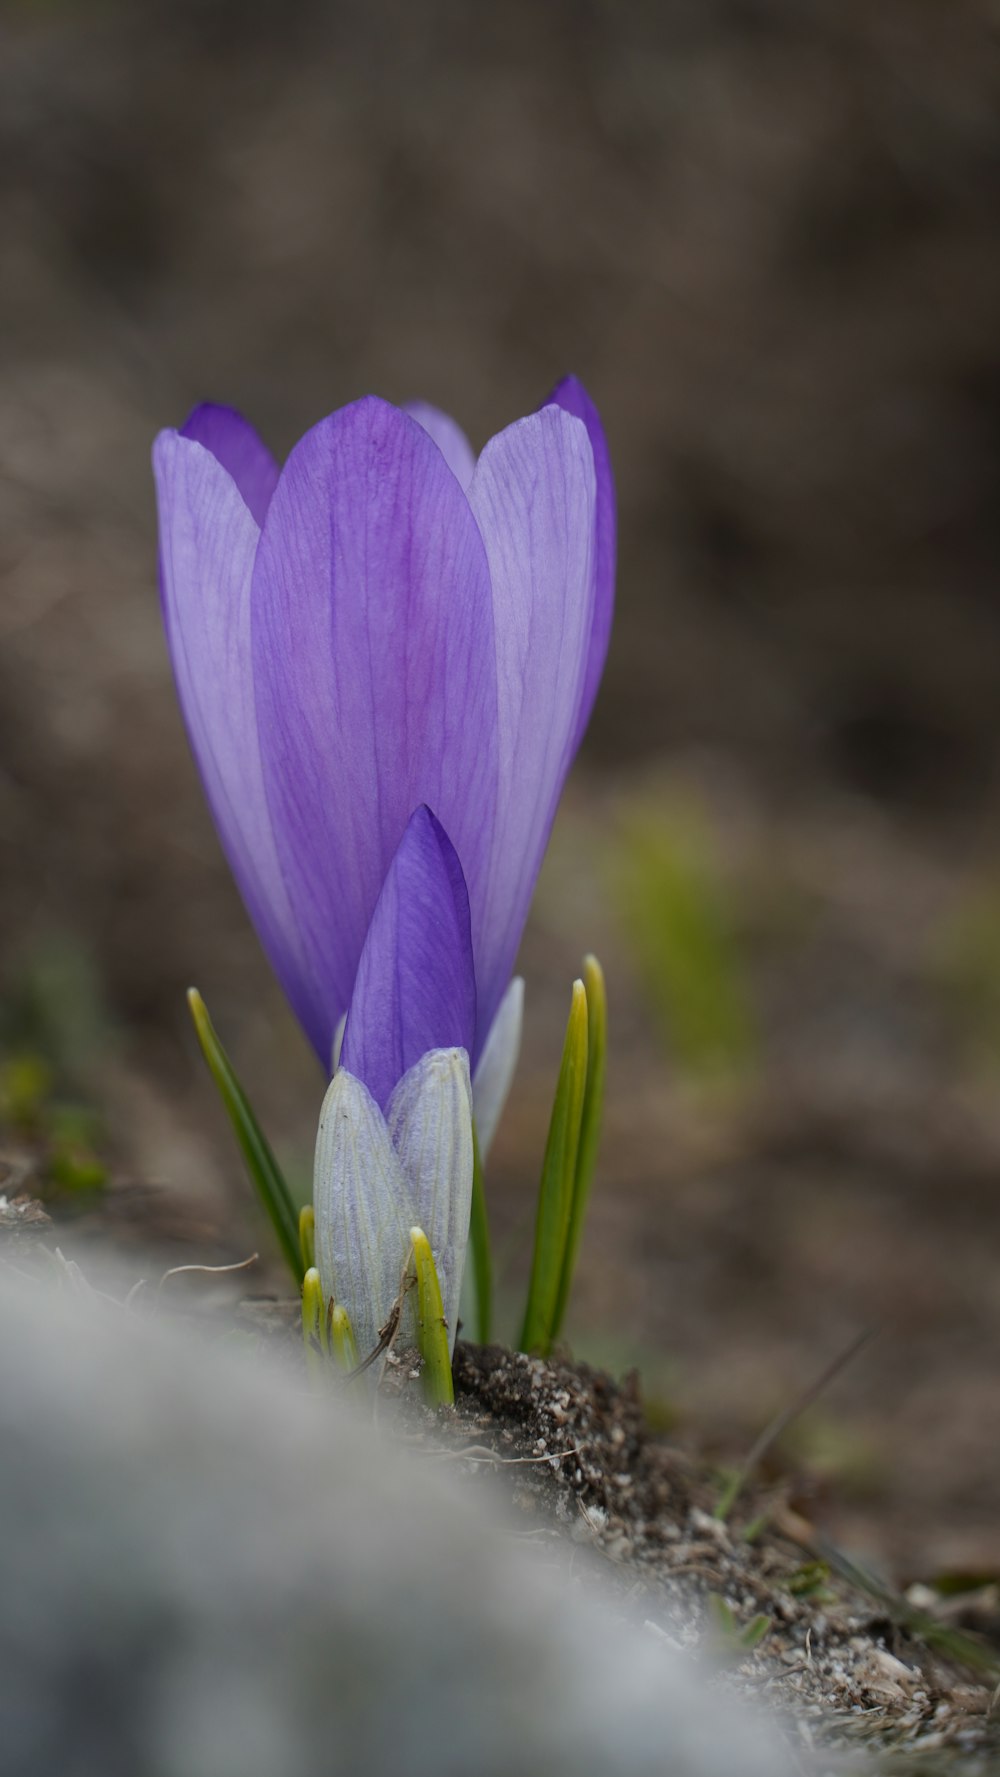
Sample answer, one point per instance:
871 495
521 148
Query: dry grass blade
207 1270
788 1415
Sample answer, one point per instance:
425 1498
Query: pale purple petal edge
571 395
235 444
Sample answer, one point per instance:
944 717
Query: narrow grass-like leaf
733 1485
754 1530
555 1196
314 1323
265 1173
480 1254
590 1126
753 1633
954 1644
307 1235
776 1427
730 1638
721 1618
432 1328
342 1343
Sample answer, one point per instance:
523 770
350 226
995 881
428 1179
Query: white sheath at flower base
377 1177
430 1126
495 1069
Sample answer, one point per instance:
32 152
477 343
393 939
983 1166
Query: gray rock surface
206 1571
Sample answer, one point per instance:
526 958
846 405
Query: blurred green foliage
730 1639
958 1582
834 1451
52 1007
66 1135
25 1088
965 961
811 1580
53 1026
682 934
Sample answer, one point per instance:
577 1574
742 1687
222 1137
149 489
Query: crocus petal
495 1068
571 395
363 1209
374 667
207 544
430 1123
416 987
448 436
533 495
234 443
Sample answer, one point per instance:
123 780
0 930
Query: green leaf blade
432 1328
590 1126
265 1174
307 1236
555 1197
343 1346
314 1337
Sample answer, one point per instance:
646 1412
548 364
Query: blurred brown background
764 232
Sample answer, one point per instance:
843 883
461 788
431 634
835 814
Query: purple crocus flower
384 628
386 622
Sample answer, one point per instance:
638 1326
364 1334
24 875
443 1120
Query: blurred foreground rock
202 1571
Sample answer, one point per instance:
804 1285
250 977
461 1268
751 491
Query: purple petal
234 443
448 436
416 986
208 541
374 667
571 395
533 496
